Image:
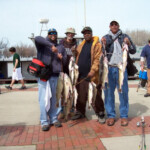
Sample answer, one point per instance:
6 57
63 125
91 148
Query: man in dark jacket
49 52
113 46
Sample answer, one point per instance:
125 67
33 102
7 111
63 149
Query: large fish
59 88
67 88
75 96
76 73
101 68
94 92
68 96
122 66
90 95
71 68
105 72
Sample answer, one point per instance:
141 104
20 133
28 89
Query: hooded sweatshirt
45 54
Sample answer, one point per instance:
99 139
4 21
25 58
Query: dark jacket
45 54
110 44
68 47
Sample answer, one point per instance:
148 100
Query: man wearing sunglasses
88 53
50 52
113 47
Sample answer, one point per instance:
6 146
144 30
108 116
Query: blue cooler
143 75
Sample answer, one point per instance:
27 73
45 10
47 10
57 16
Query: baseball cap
114 22
86 29
52 30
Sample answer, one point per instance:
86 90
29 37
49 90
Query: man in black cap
88 53
113 43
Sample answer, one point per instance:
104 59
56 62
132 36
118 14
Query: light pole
84 13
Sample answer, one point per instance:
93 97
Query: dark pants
82 89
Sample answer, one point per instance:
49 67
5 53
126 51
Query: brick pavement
74 135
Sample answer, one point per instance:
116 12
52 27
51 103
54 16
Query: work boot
57 124
8 87
101 117
77 116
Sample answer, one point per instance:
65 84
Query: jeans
52 114
113 78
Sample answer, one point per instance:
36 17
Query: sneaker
45 127
101 118
8 87
57 124
22 88
77 116
147 95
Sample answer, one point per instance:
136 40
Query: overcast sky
20 18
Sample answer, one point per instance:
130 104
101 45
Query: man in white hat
70 44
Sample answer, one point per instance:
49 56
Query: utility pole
84 13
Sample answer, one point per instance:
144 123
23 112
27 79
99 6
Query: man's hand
90 74
103 40
59 55
54 49
127 41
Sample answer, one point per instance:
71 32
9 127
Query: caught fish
76 73
71 68
105 72
121 76
101 68
90 95
59 88
75 96
94 92
122 66
67 88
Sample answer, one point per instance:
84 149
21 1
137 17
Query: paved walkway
20 129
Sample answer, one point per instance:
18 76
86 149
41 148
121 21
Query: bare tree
139 37
3 46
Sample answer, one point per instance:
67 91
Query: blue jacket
45 54
110 44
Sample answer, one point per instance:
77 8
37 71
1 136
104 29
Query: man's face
114 27
87 35
52 36
70 36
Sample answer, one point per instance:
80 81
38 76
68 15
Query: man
49 52
146 54
113 43
88 53
70 43
16 70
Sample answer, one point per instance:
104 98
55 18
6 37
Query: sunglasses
52 33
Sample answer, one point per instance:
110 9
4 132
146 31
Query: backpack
38 69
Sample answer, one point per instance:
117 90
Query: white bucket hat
70 30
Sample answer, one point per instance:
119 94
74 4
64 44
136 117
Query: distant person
113 42
146 54
70 44
88 54
16 75
50 53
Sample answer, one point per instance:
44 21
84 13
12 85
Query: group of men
87 55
